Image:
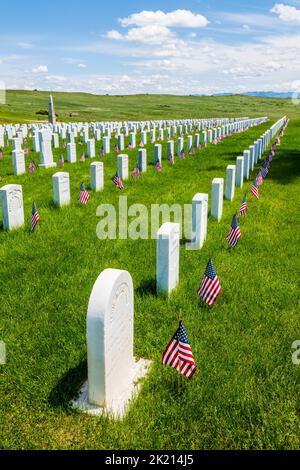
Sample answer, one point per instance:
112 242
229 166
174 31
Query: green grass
22 106
245 394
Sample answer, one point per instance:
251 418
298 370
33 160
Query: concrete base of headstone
120 406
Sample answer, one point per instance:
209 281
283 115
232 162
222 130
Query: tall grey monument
52 117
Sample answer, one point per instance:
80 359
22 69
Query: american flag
82 158
118 182
102 153
243 208
254 189
84 195
116 149
178 353
171 159
26 150
158 166
234 232
1 153
182 154
210 287
31 167
141 144
259 179
130 147
34 217
215 141
136 172
192 151
198 147
61 161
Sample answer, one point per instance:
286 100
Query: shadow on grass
68 386
147 287
287 167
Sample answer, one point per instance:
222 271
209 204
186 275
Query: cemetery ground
245 393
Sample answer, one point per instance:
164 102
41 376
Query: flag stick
179 374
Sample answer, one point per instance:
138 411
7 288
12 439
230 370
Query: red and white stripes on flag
210 287
234 232
178 353
84 195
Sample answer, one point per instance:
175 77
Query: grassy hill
245 394
22 106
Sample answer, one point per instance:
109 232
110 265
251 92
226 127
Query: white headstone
46 149
91 148
121 142
180 145
199 221
239 172
18 160
97 176
167 257
106 144
157 153
246 164
123 166
132 139
61 188
171 148
12 206
55 141
142 160
113 372
71 153
230 182
217 198
252 161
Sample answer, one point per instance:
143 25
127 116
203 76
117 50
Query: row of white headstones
46 137
113 372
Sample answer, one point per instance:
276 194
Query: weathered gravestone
113 372
12 206
167 257
18 159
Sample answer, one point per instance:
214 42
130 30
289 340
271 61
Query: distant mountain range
261 94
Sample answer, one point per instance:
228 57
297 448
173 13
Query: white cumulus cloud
40 69
176 18
82 66
286 13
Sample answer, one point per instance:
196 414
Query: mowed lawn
245 394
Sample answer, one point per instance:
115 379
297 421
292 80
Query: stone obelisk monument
52 117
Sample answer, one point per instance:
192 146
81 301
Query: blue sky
181 47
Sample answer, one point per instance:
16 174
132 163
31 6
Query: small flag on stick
118 182
243 208
254 189
84 195
136 172
234 232
178 353
210 287
31 167
34 217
